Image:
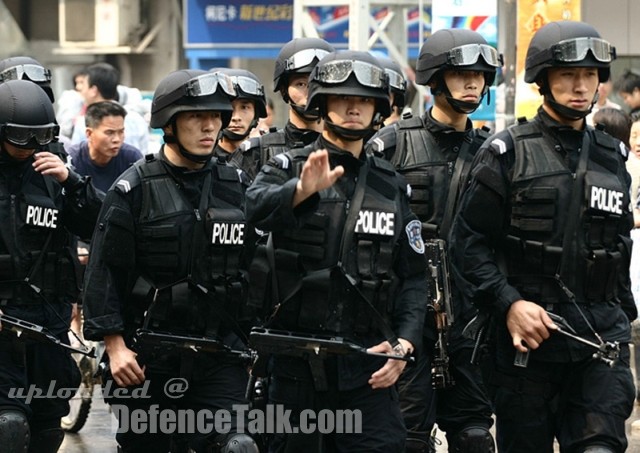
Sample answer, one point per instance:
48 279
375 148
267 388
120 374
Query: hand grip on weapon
392 369
122 362
528 324
316 175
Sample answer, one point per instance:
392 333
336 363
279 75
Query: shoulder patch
414 235
281 161
498 146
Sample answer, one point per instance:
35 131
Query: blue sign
237 23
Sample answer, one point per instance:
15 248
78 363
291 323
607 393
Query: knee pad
598 449
14 431
473 439
46 441
240 443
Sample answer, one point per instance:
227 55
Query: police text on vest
42 217
374 222
228 233
606 200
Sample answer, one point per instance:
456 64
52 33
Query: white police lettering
227 233
42 217
606 200
374 222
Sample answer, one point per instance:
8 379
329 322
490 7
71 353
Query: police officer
542 232
434 153
290 78
167 258
249 105
42 203
397 88
348 257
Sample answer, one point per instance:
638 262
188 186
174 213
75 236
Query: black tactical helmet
247 86
26 68
456 48
351 73
27 118
189 90
298 56
397 80
568 44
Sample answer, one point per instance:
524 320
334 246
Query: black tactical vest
34 243
337 268
185 251
429 171
541 198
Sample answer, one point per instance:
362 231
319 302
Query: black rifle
313 348
28 331
149 341
440 305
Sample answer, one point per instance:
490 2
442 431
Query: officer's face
198 131
573 87
17 153
106 140
298 88
351 112
243 114
465 85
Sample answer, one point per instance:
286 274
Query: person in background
249 105
103 155
628 88
102 85
603 102
397 88
295 62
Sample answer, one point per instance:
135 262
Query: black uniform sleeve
82 205
110 270
411 267
480 226
270 197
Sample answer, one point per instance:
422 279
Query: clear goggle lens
33 72
304 58
248 85
468 54
396 80
207 84
572 50
21 135
338 71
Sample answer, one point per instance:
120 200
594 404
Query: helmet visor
33 72
248 85
572 50
396 80
338 71
21 135
468 54
304 58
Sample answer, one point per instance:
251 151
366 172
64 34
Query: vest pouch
7 275
602 270
226 234
39 215
318 306
421 183
68 286
260 290
534 209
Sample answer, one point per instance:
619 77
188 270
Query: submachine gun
27 331
313 348
439 294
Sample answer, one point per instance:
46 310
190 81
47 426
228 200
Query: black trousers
581 404
211 385
383 430
28 366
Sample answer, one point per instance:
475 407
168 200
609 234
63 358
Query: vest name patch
42 217
606 200
227 233
375 222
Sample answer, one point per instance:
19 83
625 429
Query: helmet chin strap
232 136
197 158
353 135
304 115
462 107
567 112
